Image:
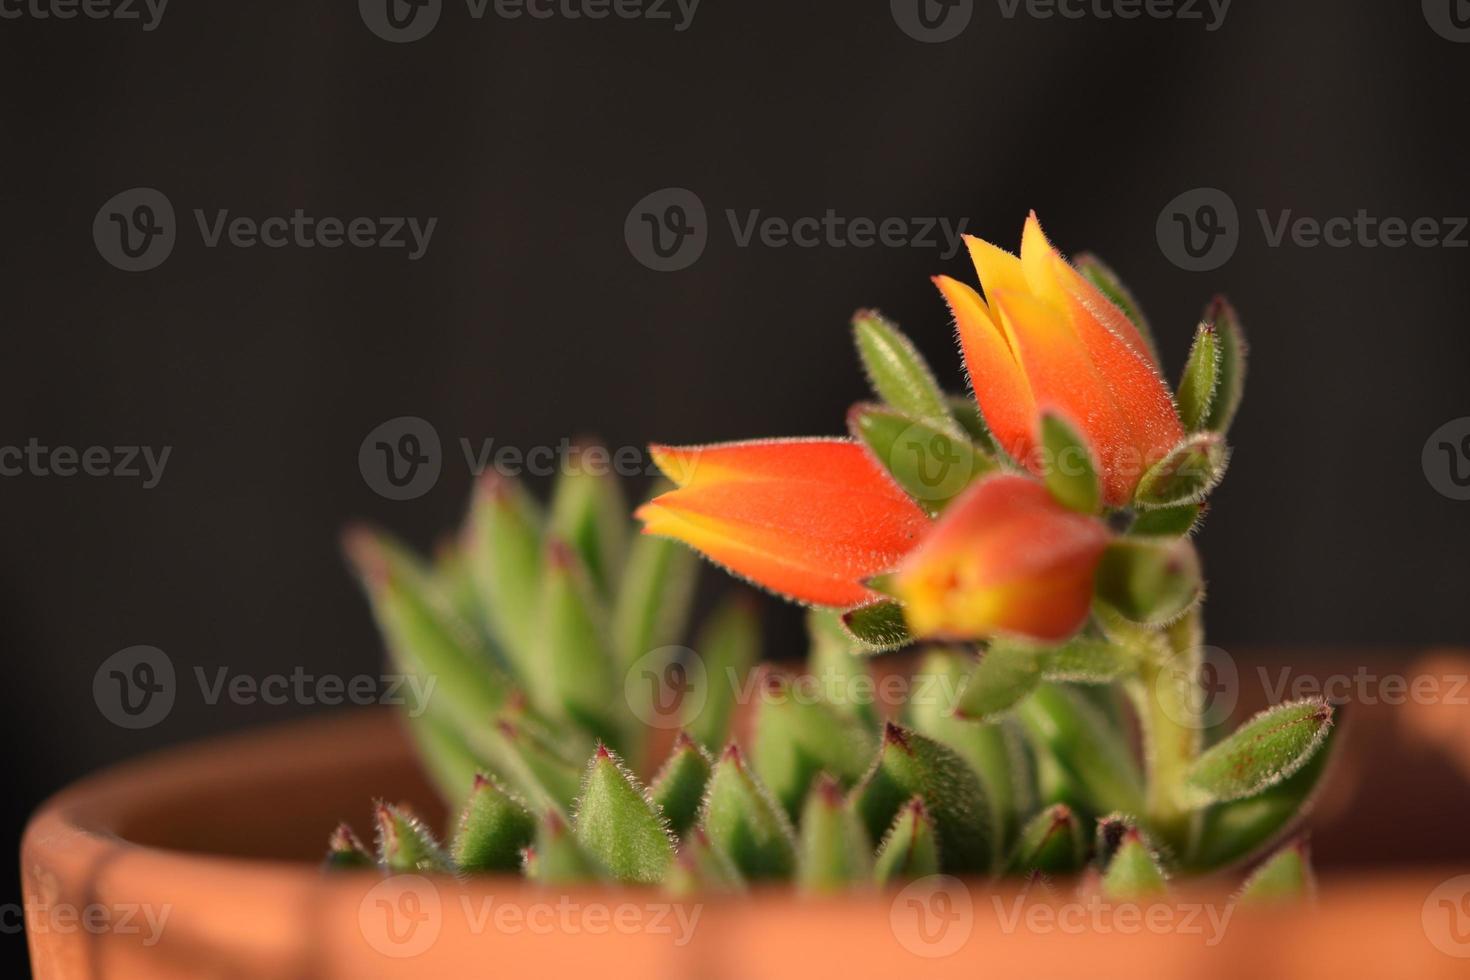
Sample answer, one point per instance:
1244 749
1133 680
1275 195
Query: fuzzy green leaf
966 412
1134 871
701 868
728 645
1186 475
1201 380
992 750
1092 754
1262 752
1232 365
1071 474
1096 272
896 370
1051 843
1007 672
910 764
1284 878
797 736
931 461
531 763
405 844
678 789
1149 580
842 671
744 821
444 752
576 670
834 850
910 850
494 827
346 853
653 597
1167 522
618 825
879 627
589 513
503 542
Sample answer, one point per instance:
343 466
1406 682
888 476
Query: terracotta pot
201 862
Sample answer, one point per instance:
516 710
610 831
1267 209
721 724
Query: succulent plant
1034 542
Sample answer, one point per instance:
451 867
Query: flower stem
1167 693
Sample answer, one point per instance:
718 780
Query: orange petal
1004 558
999 384
808 518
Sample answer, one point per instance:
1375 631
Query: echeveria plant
1034 541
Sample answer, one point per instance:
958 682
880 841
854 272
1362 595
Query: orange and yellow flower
1043 338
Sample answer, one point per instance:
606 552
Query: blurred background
544 150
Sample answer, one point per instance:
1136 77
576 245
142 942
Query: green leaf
1096 272
910 764
494 827
879 627
1201 380
834 851
589 513
1170 522
1232 365
503 551
1051 843
1235 830
895 368
345 852
678 789
576 673
931 461
531 763
1262 752
1149 580
992 750
618 825
1071 474
1134 872
1187 474
653 597
556 858
451 763
966 412
405 844
910 850
1284 878
1087 660
797 736
1007 672
1092 754
745 822
728 645
423 634
842 671
701 868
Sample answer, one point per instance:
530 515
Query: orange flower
1044 338
1004 558
808 518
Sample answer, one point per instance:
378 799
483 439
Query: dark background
529 320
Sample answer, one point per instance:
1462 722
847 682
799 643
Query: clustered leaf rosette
1035 538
